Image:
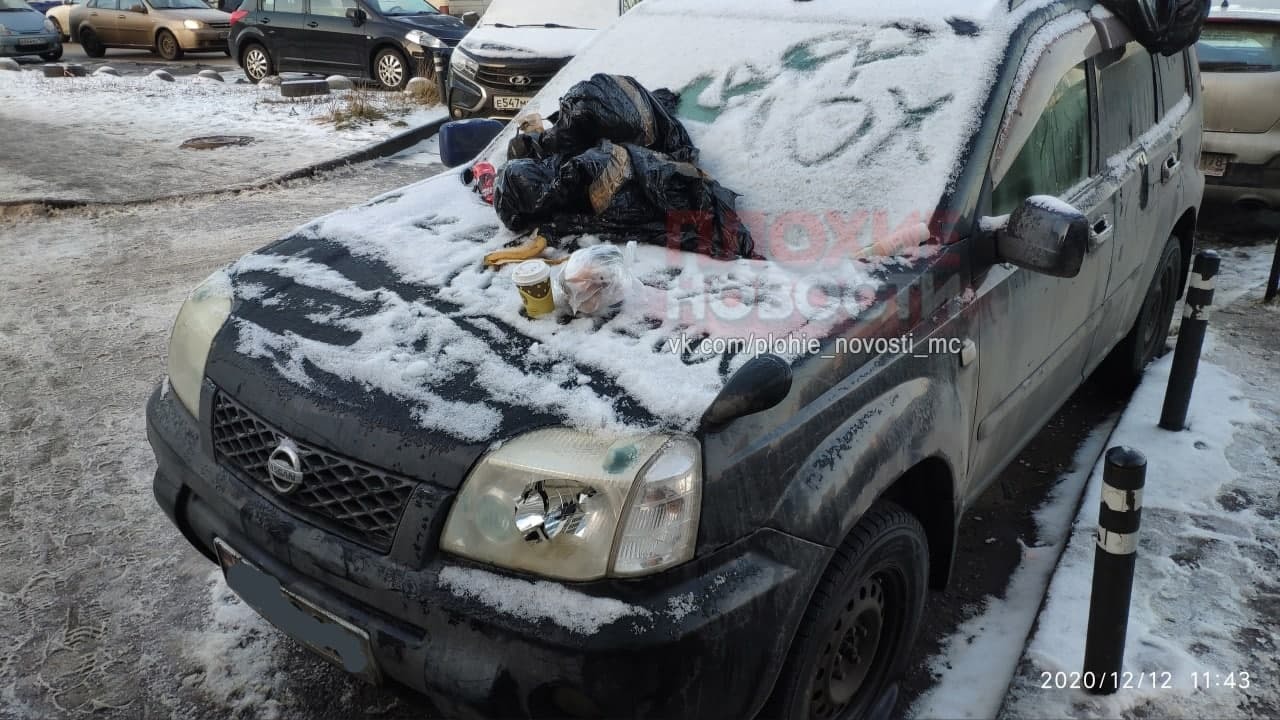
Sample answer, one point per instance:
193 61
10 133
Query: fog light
457 112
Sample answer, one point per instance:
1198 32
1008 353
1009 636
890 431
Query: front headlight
464 64
199 320
5 31
574 506
192 24
424 39
49 26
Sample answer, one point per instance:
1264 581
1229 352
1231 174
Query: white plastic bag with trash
596 279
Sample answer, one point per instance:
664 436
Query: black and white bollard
1114 560
1186 355
442 82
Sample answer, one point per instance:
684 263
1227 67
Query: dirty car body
359 410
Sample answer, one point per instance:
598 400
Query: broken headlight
200 318
574 506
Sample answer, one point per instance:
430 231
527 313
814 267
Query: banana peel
525 251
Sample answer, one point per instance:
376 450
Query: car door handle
265 21
313 24
1101 232
1170 168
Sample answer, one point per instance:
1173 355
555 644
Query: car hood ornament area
284 467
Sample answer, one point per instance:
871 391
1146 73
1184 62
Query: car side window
331 8
283 6
1126 88
1056 154
1173 79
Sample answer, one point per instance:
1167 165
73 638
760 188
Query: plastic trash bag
596 279
1162 26
609 107
623 192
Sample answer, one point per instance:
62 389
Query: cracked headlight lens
574 506
199 320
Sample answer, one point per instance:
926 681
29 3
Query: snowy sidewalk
109 138
1203 622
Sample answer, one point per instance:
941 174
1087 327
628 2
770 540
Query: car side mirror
471 19
1045 235
356 16
462 140
764 381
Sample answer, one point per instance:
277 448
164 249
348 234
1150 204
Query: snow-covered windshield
586 14
809 112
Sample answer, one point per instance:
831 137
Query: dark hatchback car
388 41
730 497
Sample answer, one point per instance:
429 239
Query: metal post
1273 283
442 83
1186 355
1114 560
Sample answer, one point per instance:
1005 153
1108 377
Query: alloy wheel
390 70
256 63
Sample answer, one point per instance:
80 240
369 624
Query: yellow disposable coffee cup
533 280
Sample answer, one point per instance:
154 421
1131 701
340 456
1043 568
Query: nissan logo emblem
521 80
284 467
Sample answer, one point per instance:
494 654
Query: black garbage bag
623 192
609 107
1162 26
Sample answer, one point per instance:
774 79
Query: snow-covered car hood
843 138
492 42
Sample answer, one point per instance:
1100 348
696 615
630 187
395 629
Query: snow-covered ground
117 138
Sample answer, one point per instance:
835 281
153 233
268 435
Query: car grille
505 77
359 502
219 25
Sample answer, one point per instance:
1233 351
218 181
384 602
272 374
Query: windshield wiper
541 25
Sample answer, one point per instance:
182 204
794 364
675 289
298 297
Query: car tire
91 44
390 69
856 635
1147 339
52 55
167 46
256 62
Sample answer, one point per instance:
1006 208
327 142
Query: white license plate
30 41
326 634
504 102
1214 164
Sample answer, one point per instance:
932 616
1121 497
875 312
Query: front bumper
33 44
469 98
203 39
705 640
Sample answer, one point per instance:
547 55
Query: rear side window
282 6
1173 78
1126 88
1226 47
1056 155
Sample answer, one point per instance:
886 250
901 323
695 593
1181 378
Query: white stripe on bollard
1117 543
1121 500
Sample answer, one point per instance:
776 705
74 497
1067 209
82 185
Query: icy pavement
104 609
117 138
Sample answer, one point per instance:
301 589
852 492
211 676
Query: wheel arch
385 44
928 491
1185 231
155 37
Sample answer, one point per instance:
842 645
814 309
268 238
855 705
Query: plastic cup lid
531 272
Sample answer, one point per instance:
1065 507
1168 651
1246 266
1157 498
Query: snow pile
1206 568
537 600
236 653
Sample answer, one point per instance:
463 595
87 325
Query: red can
485 174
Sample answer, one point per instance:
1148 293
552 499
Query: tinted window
1173 78
1128 99
1239 48
1056 155
333 8
103 4
282 6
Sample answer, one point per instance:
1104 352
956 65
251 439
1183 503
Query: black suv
388 41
